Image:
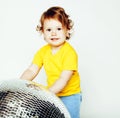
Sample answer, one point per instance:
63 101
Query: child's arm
30 73
61 82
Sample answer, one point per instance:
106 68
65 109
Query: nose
53 32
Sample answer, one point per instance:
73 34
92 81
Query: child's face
54 33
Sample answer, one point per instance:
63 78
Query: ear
68 33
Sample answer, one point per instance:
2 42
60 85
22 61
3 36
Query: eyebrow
55 27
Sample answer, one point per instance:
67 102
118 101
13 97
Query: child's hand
37 85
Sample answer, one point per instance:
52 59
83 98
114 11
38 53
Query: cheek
46 36
65 34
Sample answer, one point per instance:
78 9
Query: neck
56 48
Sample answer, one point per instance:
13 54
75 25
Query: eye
48 30
59 28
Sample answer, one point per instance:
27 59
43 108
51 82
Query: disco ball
24 99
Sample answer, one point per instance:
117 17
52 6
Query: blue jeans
72 104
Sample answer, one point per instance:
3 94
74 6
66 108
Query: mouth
54 39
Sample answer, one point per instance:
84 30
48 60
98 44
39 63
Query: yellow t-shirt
65 59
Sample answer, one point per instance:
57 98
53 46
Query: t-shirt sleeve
70 61
38 58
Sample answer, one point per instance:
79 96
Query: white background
96 40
